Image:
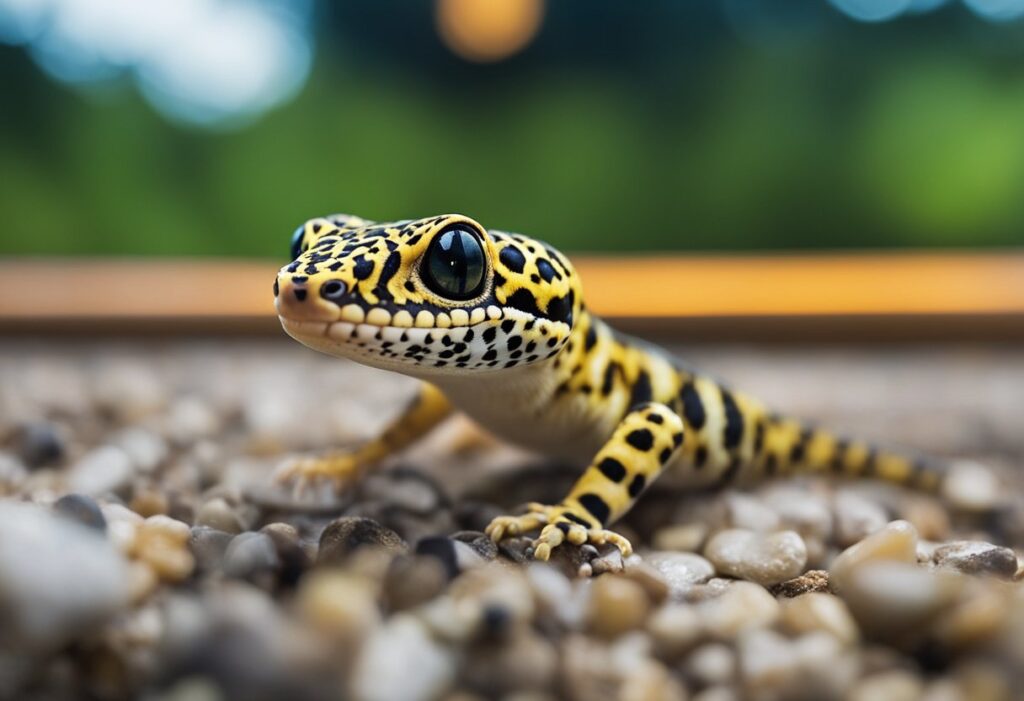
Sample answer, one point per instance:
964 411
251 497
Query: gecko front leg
429 408
644 442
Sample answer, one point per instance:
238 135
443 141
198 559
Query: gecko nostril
333 290
300 294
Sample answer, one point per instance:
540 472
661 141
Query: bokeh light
488 30
199 61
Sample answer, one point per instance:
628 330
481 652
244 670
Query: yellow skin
515 348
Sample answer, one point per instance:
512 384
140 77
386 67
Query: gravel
144 552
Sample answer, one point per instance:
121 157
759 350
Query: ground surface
175 571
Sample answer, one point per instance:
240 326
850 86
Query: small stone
522 663
251 556
190 419
208 546
149 502
674 628
977 557
928 516
716 693
897 542
12 472
39 444
57 577
743 606
747 513
610 562
681 571
856 518
479 541
896 599
411 581
816 611
762 558
102 470
801 510
82 509
400 660
896 685
345 535
811 581
972 487
710 664
616 605
648 577
338 603
455 556
162 542
146 449
217 513
688 537
979 615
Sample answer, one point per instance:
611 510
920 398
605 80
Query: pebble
928 516
762 558
400 660
12 472
40 444
208 546
801 510
710 664
820 612
411 581
616 605
674 628
145 448
57 577
345 535
810 581
742 606
977 557
972 487
102 470
523 664
149 502
856 517
251 556
895 599
681 571
688 537
896 685
217 513
745 512
339 603
82 509
162 542
454 555
895 542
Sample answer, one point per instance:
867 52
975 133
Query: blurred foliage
623 126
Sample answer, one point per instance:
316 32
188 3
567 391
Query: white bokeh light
200 61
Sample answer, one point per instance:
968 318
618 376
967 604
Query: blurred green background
603 125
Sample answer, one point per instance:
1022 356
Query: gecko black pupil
454 264
297 242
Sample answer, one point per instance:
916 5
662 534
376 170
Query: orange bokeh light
488 30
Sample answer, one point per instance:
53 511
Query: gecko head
426 297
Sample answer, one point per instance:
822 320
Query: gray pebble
977 557
455 556
82 509
39 444
856 517
250 556
104 469
479 541
681 571
208 546
345 535
217 513
401 660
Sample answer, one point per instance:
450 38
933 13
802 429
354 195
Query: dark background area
668 125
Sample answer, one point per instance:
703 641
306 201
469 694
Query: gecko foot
338 471
558 524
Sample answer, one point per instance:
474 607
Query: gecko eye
454 264
297 241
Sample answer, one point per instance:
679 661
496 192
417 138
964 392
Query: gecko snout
301 298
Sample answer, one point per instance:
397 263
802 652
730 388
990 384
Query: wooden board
899 296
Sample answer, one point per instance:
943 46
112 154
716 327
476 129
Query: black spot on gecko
693 407
612 469
641 439
512 258
596 506
637 486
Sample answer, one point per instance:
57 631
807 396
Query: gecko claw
556 529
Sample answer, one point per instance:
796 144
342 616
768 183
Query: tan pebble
982 681
928 516
217 513
711 663
742 606
978 617
817 611
177 531
142 580
616 605
651 681
716 693
338 603
972 487
149 502
899 599
765 558
897 542
674 628
687 537
647 577
896 685
810 581
171 560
